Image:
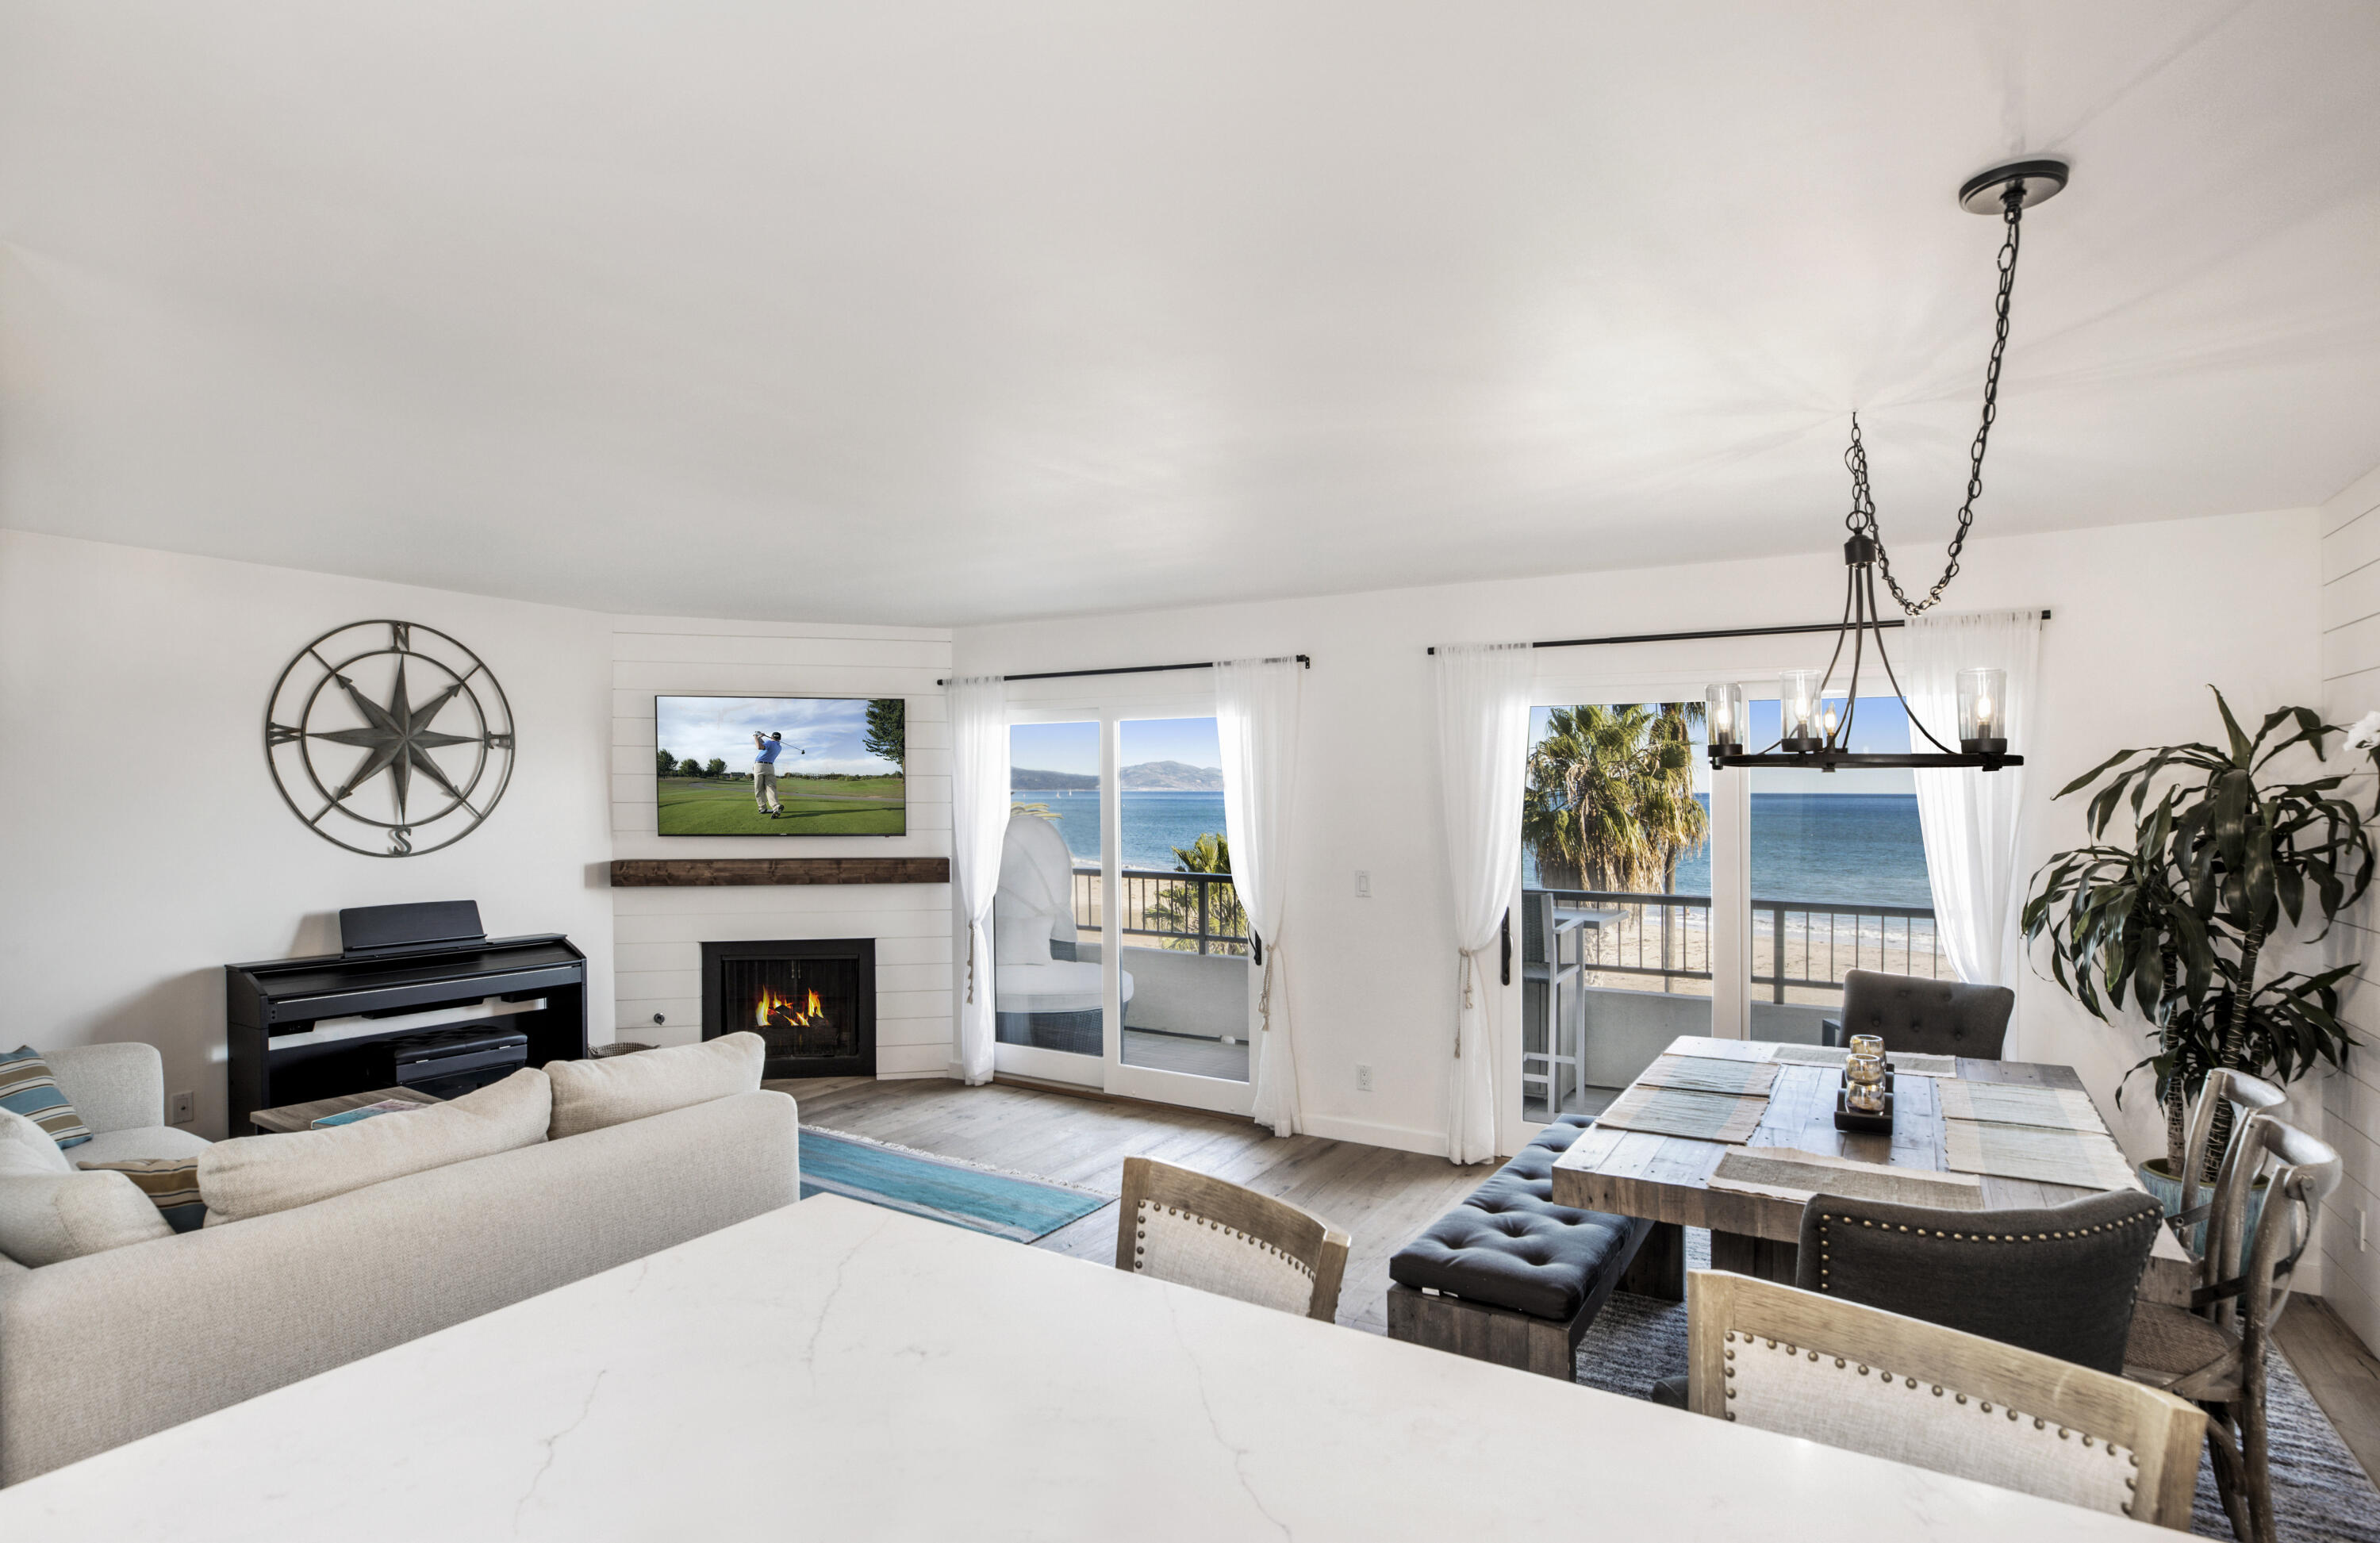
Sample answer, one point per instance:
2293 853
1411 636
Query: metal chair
1926 1017
1803 1364
2213 1353
2246 1095
1543 974
1196 1230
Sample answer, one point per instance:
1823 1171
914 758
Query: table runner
1682 1112
2086 1159
1788 1173
1704 1073
2017 1104
1914 1062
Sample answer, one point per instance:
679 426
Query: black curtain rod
1129 669
1715 632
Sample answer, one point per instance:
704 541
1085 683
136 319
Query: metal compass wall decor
390 738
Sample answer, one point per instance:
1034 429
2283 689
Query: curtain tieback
1263 991
971 931
1470 966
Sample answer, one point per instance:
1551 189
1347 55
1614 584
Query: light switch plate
182 1109
1363 885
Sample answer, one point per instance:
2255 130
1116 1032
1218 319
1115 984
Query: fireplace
814 1002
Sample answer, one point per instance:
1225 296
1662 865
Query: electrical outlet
1363 885
1363 1079
182 1109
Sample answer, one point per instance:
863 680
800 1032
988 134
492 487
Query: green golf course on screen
780 766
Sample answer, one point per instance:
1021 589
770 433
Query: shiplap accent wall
2350 687
657 932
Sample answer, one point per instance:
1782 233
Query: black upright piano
414 967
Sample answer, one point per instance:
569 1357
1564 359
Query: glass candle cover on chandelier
1983 711
1798 708
1723 717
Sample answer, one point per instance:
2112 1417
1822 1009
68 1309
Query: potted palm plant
2209 873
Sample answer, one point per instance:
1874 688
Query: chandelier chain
1862 518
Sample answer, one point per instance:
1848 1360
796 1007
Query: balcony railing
1192 912
1802 946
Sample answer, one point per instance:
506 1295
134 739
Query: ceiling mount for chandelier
1813 732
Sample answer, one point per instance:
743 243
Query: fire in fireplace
813 1001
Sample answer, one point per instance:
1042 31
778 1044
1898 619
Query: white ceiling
944 312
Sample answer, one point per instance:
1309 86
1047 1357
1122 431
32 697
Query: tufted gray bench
1509 1276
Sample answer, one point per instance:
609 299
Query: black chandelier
1814 733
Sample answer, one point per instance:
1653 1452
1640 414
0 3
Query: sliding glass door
1659 897
1048 1001
1125 956
1186 939
1613 931
1837 878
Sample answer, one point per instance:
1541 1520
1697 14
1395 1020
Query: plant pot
2168 1190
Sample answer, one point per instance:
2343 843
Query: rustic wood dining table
1667 1178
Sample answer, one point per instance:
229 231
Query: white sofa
103 1349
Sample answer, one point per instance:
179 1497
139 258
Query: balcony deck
1186 948
1632 972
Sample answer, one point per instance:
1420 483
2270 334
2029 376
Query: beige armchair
119 1093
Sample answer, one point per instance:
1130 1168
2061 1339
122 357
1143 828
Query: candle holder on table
1865 1102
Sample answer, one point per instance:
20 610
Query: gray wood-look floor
1380 1198
2342 1374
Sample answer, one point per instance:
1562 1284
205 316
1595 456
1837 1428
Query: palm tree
1610 798
1175 907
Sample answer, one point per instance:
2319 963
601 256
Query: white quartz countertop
837 1371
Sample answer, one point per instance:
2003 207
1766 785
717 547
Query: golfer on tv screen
764 774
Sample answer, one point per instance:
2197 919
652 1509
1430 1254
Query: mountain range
1148 776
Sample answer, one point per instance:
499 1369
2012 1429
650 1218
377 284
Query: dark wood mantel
661 872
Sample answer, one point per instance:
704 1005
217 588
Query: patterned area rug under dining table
2320 1492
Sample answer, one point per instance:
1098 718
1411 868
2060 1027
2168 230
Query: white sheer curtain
978 819
1969 816
1483 731
1256 719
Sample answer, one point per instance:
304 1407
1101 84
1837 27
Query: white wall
659 931
2350 1098
141 839
2146 617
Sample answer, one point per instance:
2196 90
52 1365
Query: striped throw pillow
26 1088
171 1184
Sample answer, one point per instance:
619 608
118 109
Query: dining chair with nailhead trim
1196 1230
1812 1364
2057 1280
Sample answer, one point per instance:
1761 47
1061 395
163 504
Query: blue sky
1075 746
1880 726
827 730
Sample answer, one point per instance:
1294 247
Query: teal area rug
939 1188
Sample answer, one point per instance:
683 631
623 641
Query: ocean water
1846 847
1153 823
1854 849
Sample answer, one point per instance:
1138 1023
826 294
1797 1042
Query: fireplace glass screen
806 1009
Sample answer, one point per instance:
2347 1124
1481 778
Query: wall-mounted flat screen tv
780 766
